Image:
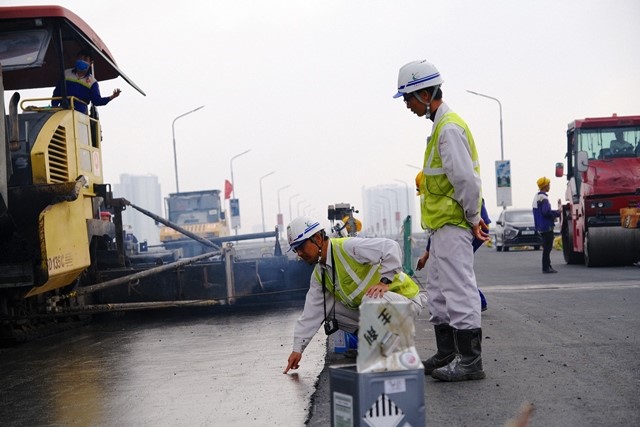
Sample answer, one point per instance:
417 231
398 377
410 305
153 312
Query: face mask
82 65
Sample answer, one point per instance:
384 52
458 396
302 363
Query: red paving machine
603 181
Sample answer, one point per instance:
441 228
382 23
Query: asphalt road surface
566 342
164 368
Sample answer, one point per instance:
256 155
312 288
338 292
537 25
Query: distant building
143 191
385 207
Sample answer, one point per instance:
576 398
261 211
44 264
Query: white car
515 227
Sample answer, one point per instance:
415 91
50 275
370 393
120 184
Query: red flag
228 188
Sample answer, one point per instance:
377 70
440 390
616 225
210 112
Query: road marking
564 286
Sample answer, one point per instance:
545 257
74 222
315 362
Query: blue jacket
85 88
543 215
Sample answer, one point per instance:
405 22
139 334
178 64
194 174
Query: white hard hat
300 229
417 75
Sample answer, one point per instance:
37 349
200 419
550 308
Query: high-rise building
143 191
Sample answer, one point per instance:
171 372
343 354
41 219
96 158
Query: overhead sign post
503 183
234 207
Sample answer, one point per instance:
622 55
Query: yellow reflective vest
437 204
353 279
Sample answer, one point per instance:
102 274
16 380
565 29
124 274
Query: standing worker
450 212
81 84
349 270
544 218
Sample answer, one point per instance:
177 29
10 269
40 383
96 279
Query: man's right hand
422 260
293 362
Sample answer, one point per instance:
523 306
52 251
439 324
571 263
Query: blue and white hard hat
300 229
417 75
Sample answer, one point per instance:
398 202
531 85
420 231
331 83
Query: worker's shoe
467 365
446 349
483 301
549 270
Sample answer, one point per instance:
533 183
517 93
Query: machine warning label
58 262
384 413
342 410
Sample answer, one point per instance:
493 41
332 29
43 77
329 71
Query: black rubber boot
467 365
446 349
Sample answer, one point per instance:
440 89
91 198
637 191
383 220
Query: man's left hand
376 291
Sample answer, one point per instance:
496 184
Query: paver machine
61 255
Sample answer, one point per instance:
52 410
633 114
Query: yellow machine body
67 147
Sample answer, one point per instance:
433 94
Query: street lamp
279 218
500 106
397 211
290 199
233 184
298 206
382 217
261 202
408 193
173 132
388 210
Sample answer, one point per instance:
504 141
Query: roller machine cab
603 179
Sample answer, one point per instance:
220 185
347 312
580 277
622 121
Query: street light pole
280 210
500 107
408 193
389 211
397 211
173 132
298 206
261 202
291 198
233 184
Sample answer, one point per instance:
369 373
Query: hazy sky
306 85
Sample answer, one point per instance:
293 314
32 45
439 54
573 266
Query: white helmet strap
427 104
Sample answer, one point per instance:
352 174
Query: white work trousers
451 282
349 320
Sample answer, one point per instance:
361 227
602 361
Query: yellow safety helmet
543 182
418 181
348 227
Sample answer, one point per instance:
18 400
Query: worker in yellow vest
451 200
348 271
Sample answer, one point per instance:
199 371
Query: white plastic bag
386 337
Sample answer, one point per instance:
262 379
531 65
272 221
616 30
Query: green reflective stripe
350 288
437 204
362 283
331 288
429 170
354 278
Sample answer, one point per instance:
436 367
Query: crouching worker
348 271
